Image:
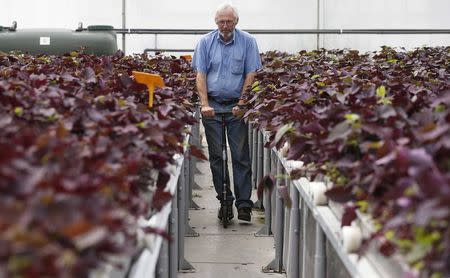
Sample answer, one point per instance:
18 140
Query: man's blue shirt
226 64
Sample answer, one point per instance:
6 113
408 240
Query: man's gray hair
227 6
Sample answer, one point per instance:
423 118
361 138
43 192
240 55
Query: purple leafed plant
79 153
378 125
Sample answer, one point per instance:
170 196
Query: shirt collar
231 41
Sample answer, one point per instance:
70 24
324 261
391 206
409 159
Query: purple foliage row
78 149
376 124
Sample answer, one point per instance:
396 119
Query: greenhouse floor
218 252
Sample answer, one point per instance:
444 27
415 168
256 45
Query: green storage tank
97 40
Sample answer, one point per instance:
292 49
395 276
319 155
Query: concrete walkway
233 252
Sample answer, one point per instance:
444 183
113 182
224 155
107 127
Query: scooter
226 184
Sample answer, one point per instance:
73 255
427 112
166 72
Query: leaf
158 231
352 117
267 183
163 179
339 131
198 153
430 211
339 194
387 248
409 274
77 228
91 238
348 216
284 193
18 111
89 75
95 115
434 133
281 132
387 159
160 198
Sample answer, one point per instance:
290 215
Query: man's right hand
207 111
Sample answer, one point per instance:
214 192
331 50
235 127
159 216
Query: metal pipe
294 234
188 179
304 236
173 231
268 197
162 266
279 222
191 158
273 172
196 142
286 230
250 140
318 24
319 257
191 170
285 31
260 158
254 157
266 230
259 168
181 214
183 265
124 6
276 265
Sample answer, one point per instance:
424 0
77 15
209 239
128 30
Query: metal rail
167 50
317 32
285 31
309 241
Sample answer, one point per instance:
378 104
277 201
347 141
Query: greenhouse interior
210 139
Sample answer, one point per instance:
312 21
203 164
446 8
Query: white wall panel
254 14
384 14
60 13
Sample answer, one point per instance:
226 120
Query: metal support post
183 265
254 147
286 229
319 257
197 142
188 197
124 24
162 266
190 173
273 172
304 237
293 268
259 168
276 265
173 232
250 140
266 229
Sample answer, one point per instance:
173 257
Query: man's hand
207 111
237 111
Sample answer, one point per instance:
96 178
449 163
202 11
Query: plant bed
378 126
82 158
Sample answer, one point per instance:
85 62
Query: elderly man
226 61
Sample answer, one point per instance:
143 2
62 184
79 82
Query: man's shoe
230 212
245 214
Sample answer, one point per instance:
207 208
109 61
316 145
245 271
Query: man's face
226 21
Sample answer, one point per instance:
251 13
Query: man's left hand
236 111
